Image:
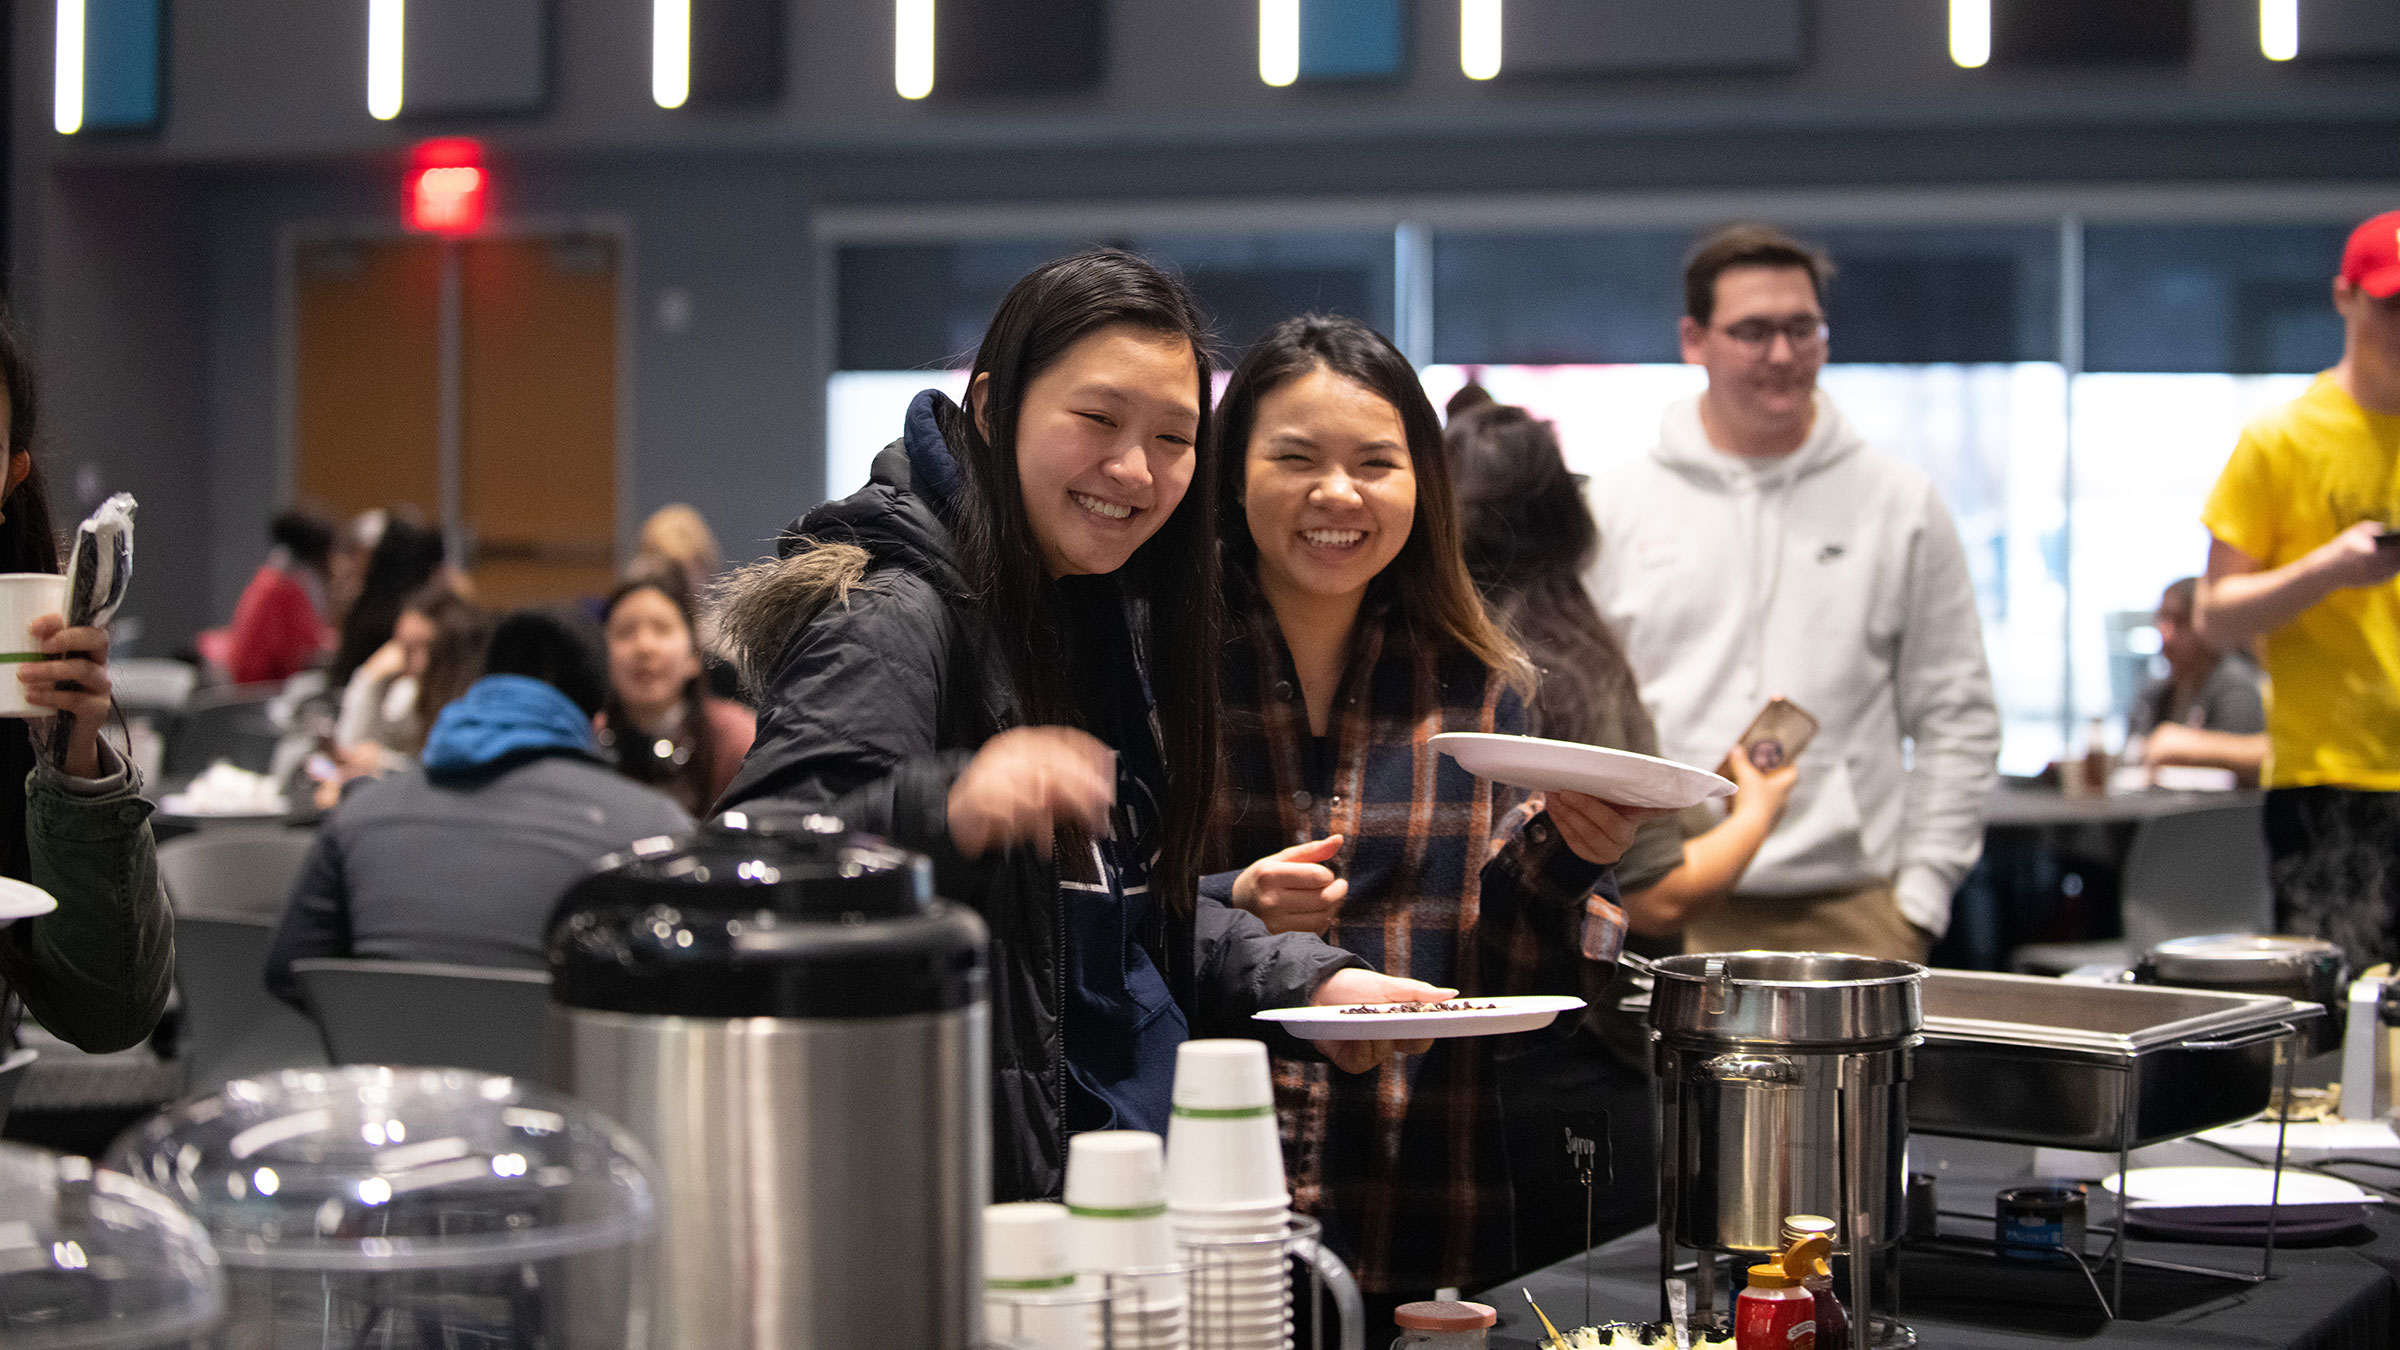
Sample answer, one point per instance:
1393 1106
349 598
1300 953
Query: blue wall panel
1353 39
120 64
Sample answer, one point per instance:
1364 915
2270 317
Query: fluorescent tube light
670 52
1971 32
912 48
1279 41
387 28
1479 38
2279 29
66 110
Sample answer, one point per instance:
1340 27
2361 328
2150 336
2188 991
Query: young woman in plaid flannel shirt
1355 636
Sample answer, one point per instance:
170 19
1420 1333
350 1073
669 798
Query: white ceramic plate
1512 1012
2236 1195
1616 776
23 900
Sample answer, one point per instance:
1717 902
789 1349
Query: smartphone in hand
1778 734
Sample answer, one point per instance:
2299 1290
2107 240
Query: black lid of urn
758 915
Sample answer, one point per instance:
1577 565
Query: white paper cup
24 597
1222 1073
1225 1158
1116 1170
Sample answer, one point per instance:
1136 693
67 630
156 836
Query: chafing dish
2308 970
2100 1067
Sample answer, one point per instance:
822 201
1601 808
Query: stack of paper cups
1028 1284
1226 1196
1117 1236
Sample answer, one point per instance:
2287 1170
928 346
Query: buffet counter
2338 1295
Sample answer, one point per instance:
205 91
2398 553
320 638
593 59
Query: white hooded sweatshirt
1834 577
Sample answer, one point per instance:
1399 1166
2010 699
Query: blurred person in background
95 971
435 652
1762 549
346 570
460 858
1528 539
1357 634
282 624
680 534
2304 529
2206 711
406 556
662 726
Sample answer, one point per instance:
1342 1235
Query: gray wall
145 268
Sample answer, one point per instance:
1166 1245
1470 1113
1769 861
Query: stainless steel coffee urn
1783 1088
798 1029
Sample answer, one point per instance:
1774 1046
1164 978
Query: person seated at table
1528 540
281 625
459 858
436 651
95 971
662 725
1356 635
2206 710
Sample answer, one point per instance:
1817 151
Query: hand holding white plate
1497 1016
1618 777
23 900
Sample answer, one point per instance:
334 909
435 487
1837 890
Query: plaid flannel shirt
1453 880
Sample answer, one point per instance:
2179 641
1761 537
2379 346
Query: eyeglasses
1805 333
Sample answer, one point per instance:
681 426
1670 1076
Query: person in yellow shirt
2305 547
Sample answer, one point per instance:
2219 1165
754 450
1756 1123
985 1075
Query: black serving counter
2338 1294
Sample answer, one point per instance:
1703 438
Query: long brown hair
28 539
1173 574
1529 537
1436 598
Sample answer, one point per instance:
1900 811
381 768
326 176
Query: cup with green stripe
1224 1156
24 597
1029 1290
1117 1202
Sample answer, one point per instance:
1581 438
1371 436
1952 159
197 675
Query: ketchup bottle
1775 1312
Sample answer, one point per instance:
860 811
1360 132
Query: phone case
1778 734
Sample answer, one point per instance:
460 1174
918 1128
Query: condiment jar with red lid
1444 1325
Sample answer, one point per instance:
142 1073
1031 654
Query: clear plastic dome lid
96 1261
370 1168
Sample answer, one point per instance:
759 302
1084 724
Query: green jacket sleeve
97 970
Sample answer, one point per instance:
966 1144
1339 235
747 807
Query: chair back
232 1027
231 724
2196 872
12 1074
486 1018
233 872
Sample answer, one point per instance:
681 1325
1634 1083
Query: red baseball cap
2372 258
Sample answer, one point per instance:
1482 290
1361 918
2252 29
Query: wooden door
526 350
538 417
366 406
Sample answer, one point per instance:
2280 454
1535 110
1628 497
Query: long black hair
693 781
404 559
28 539
1529 537
1172 577
1437 602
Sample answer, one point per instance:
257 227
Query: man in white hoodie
1762 549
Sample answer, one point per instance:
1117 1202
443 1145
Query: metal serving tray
2056 1063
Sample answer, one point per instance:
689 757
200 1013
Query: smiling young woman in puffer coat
1002 652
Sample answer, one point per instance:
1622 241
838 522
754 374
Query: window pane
1955 294
2212 299
925 306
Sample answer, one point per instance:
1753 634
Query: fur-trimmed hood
896 520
